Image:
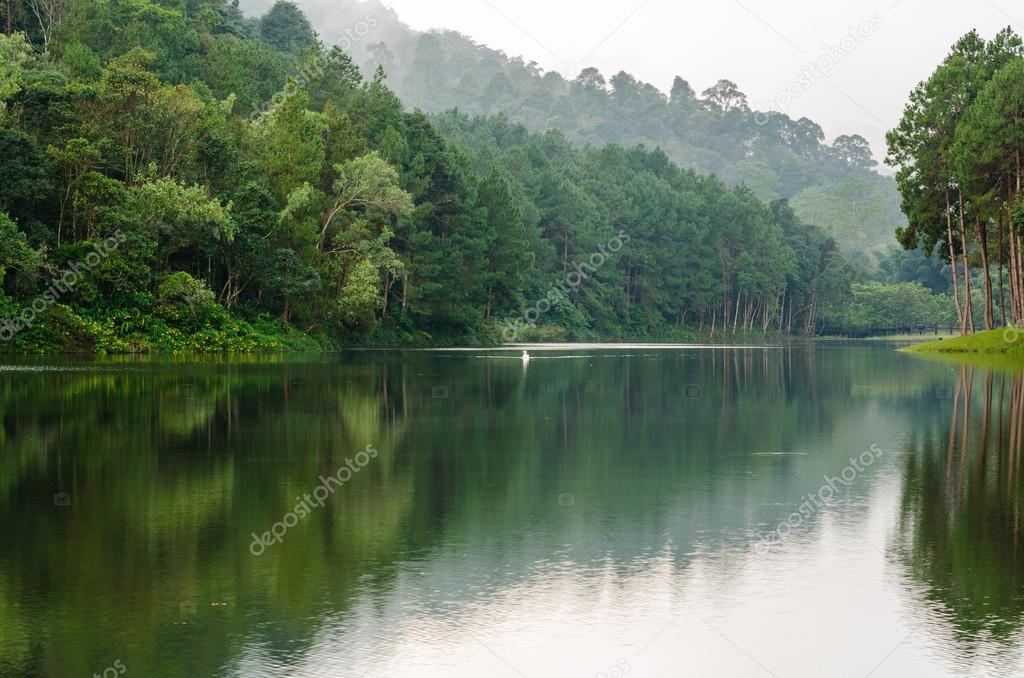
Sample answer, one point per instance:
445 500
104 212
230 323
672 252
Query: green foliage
286 27
25 175
877 305
15 54
958 149
182 287
900 266
287 142
326 214
179 217
15 254
82 62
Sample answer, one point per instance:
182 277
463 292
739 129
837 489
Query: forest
176 175
958 149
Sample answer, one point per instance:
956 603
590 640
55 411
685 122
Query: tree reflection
959 534
170 468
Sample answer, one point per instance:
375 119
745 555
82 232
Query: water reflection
596 508
959 536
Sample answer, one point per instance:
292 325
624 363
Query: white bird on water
526 356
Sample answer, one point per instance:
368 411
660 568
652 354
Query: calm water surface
598 512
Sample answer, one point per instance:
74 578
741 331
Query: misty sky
760 44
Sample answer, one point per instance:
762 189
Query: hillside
832 184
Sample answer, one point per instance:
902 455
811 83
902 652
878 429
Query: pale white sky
762 45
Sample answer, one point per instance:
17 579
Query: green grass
995 342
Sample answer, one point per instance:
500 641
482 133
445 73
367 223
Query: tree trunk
952 264
1012 279
565 250
629 295
736 315
388 284
1014 292
1015 244
726 295
968 301
1016 275
982 230
1002 295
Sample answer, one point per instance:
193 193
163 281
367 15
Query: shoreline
990 342
741 342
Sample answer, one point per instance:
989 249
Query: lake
825 509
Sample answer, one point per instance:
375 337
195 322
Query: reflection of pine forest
174 485
960 526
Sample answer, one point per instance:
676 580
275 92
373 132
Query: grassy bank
994 342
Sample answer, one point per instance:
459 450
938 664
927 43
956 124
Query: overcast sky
762 45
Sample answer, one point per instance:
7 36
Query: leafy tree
83 63
854 150
509 256
182 287
591 80
26 176
287 142
16 55
878 305
16 256
682 93
49 14
725 96
368 185
286 28
180 218
897 265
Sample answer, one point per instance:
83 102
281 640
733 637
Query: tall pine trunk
968 301
982 230
1002 293
952 265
